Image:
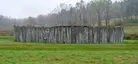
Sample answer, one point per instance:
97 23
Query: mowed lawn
39 53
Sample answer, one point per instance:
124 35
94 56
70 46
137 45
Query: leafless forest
93 13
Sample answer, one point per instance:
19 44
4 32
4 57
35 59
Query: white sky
25 8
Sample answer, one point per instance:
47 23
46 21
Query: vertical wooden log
70 41
44 35
102 35
95 35
36 34
71 35
113 35
62 35
32 35
55 31
15 34
89 35
68 35
65 38
21 34
28 35
122 34
117 35
92 35
18 34
50 31
101 31
17 29
59 32
86 35
41 34
57 38
54 35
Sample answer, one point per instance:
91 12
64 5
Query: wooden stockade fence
69 34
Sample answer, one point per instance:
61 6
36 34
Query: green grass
131 42
6 38
52 47
8 44
39 53
68 57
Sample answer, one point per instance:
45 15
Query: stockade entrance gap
69 34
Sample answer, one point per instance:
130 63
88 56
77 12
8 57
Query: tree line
93 13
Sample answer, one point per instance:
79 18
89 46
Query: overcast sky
25 8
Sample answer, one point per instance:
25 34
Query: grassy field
131 29
68 57
39 53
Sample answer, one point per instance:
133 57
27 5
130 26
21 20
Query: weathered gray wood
69 35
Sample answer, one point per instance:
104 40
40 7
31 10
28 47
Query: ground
39 53
68 57
131 29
